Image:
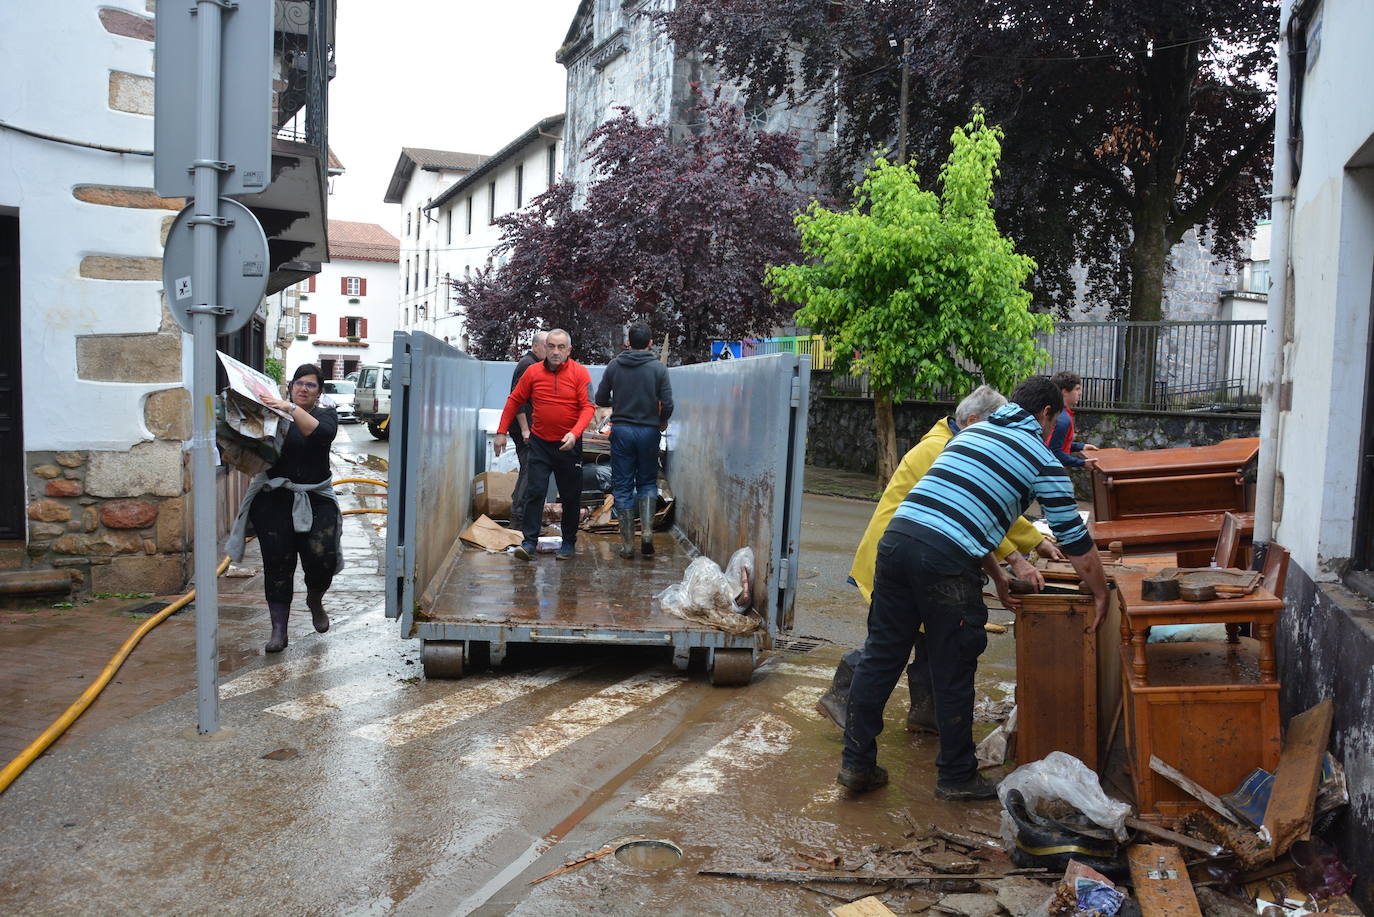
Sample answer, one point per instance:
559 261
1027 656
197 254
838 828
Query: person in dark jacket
293 508
1060 440
636 391
520 430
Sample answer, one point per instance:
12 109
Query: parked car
342 391
372 397
352 377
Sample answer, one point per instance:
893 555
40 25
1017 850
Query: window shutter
343 327
343 285
362 286
312 323
362 328
310 284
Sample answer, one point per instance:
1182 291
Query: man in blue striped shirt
930 571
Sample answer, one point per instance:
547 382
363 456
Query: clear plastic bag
713 596
1060 776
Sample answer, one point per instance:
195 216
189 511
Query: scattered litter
1321 873
237 572
970 905
488 535
992 751
1060 776
1292 801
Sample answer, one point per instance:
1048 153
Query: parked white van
372 397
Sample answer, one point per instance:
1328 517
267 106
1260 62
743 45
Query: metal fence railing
1162 366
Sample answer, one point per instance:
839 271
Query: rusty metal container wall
735 445
436 391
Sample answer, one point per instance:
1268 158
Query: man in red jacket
559 390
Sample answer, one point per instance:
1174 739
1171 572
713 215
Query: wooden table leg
1232 633
1268 673
1140 668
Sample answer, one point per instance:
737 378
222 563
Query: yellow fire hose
60 725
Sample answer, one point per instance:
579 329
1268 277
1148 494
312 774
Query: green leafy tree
275 368
918 288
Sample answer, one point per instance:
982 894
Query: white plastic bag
712 596
1062 776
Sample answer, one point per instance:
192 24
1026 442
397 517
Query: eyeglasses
308 385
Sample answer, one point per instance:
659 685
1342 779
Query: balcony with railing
293 209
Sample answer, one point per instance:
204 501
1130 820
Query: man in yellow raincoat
1021 540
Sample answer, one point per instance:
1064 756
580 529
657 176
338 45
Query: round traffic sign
241 256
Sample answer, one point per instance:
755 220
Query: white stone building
465 215
93 410
1320 425
419 177
344 316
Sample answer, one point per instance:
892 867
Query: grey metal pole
205 283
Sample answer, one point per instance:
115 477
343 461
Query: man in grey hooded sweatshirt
635 388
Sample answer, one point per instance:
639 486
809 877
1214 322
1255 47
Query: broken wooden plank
863 878
864 907
1192 788
1174 837
575 863
1288 816
1160 879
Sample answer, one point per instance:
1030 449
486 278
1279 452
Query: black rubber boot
861 781
832 703
921 716
279 613
627 534
315 602
646 525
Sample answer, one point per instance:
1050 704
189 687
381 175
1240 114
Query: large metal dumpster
735 451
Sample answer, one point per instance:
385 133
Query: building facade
344 316
94 413
420 176
1322 423
465 216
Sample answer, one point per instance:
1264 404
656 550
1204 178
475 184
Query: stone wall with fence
840 428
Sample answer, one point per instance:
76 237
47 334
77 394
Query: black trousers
916 585
543 459
521 492
281 543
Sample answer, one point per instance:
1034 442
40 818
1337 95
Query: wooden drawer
1068 681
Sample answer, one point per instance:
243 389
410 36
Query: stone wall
115 521
840 430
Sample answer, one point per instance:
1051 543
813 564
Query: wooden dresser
1164 482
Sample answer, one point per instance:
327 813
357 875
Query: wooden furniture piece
1209 709
1163 482
1228 541
1068 679
1192 537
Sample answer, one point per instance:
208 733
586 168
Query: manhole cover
649 854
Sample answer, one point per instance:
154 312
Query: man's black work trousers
543 459
917 585
521 492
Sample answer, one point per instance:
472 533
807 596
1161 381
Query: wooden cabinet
1163 482
1204 712
1068 680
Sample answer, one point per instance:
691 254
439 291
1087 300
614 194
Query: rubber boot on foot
279 612
833 702
974 788
861 780
315 602
646 525
627 535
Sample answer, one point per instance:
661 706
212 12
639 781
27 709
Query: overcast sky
466 75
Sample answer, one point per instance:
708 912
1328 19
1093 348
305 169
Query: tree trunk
886 430
1148 255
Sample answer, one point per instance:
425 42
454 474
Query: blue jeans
634 465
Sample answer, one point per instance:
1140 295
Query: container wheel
376 430
478 655
732 667
442 658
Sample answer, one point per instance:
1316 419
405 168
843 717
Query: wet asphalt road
347 784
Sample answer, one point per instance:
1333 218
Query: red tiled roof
443 159
362 242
